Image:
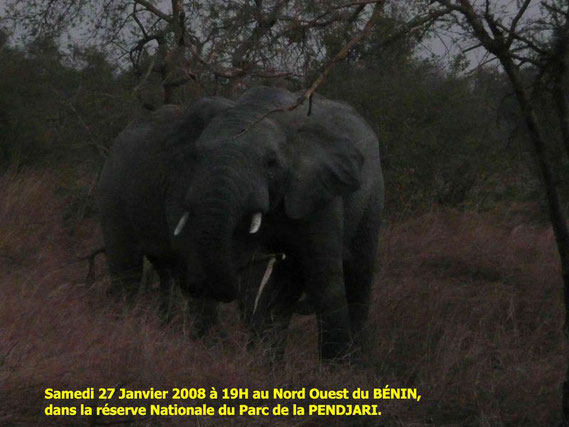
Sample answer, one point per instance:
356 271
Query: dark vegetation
467 309
468 304
447 139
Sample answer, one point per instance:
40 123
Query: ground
467 309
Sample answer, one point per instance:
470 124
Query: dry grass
467 309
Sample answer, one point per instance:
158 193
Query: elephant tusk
266 277
181 223
255 222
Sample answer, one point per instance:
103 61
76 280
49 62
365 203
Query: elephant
212 193
149 166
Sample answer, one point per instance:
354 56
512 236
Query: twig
153 9
343 53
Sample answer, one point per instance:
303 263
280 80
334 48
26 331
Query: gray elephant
202 192
150 166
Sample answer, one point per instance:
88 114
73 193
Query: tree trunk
556 215
562 108
561 52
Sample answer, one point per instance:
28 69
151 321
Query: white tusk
181 223
255 223
266 277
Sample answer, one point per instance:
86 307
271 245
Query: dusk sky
441 46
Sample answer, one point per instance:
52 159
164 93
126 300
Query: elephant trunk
216 216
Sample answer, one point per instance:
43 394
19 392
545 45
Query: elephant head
250 165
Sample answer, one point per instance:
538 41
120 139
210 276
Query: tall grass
467 309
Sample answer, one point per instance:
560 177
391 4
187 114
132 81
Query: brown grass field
467 309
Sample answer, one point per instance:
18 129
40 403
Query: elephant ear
325 166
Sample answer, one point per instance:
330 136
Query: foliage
51 109
446 139
207 43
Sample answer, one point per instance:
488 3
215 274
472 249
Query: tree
54 109
209 43
539 41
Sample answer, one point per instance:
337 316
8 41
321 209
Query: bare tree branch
343 53
307 95
513 26
378 8
153 9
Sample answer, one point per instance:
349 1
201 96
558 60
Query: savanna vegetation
468 303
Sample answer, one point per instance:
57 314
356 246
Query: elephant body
204 191
149 164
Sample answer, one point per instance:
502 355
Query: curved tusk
266 277
181 223
255 222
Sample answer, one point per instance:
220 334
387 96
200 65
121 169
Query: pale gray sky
442 46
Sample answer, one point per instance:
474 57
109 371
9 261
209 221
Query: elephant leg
166 288
322 265
125 282
359 274
303 307
358 292
125 263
